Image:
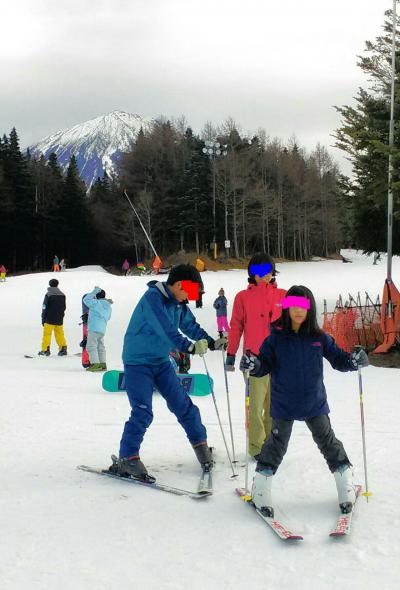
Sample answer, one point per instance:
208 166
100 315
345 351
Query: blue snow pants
140 381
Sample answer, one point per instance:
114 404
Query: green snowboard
194 384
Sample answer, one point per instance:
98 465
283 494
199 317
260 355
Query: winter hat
101 294
183 272
53 283
221 291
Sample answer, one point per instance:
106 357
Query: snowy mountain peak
97 144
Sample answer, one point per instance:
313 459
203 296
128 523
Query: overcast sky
276 64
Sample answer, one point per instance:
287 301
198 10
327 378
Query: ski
278 527
40 356
343 525
157 486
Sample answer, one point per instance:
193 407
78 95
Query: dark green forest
267 197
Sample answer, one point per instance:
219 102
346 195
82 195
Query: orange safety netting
355 323
390 317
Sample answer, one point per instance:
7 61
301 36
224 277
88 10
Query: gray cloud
280 66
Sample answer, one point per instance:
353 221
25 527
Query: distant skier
141 268
156 328
63 266
125 267
181 360
200 267
56 264
53 310
293 355
84 317
221 305
99 314
3 273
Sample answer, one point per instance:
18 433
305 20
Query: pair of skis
205 489
205 486
342 528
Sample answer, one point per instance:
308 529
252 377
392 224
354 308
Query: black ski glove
249 363
359 358
219 344
230 362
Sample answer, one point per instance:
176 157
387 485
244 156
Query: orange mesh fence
355 323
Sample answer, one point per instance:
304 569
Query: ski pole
229 407
247 425
360 388
219 419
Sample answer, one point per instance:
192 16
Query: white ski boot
261 492
345 488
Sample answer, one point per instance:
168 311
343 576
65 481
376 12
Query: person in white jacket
99 314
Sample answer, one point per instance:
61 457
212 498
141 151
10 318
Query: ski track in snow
64 528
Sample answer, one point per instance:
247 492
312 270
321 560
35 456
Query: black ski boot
63 351
45 352
130 467
204 456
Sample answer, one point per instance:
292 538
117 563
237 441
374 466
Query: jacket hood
163 288
54 291
251 286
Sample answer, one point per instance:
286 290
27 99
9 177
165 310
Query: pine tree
74 229
364 136
19 204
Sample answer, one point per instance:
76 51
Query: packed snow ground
66 529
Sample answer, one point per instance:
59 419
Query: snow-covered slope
66 529
96 144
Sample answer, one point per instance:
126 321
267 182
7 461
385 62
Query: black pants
275 447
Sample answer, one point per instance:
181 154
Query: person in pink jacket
125 266
3 272
254 309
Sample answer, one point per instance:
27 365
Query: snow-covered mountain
97 144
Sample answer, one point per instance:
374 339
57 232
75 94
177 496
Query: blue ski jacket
99 312
295 362
156 326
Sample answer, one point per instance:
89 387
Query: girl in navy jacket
293 355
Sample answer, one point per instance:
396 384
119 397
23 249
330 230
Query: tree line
266 196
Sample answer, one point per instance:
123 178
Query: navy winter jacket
295 361
53 307
221 304
156 325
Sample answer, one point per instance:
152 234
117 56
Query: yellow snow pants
260 419
58 333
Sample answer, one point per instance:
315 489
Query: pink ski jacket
253 311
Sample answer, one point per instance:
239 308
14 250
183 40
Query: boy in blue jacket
99 314
158 326
293 355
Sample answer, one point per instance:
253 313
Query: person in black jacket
53 310
293 355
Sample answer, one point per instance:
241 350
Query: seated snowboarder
157 327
